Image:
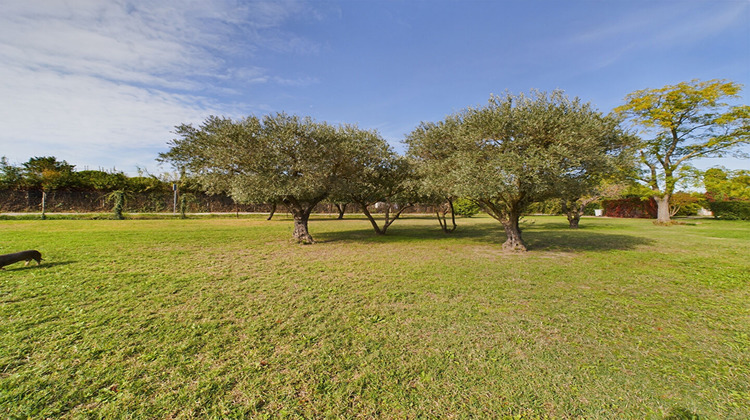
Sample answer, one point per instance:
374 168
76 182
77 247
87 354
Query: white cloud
103 83
48 113
109 41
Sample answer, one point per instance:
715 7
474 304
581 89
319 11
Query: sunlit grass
225 318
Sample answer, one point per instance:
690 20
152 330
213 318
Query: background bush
464 207
730 210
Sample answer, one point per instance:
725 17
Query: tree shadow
572 240
542 237
43 266
368 235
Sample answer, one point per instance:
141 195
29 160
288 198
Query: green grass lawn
225 318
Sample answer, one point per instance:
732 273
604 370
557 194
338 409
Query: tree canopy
723 185
379 177
277 158
515 151
683 122
47 172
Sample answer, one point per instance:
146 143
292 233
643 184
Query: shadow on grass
580 240
406 234
44 266
538 237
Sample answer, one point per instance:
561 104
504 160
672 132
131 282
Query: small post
44 205
174 205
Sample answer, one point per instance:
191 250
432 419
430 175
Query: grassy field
224 318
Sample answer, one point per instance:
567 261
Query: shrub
730 210
118 197
464 207
147 184
688 210
99 180
686 204
186 200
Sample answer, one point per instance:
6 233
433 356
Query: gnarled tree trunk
573 213
573 219
273 210
508 214
513 232
301 213
301 234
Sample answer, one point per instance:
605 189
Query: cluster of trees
48 174
504 157
294 161
719 185
728 193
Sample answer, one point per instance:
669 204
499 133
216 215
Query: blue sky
101 84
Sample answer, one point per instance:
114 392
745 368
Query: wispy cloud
655 26
696 26
92 77
664 24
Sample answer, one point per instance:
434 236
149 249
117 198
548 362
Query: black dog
27 256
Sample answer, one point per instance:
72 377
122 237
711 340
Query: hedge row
730 210
21 201
633 207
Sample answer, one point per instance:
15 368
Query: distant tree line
44 183
48 174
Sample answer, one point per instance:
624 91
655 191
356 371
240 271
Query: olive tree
687 121
575 197
597 177
430 146
279 158
382 179
515 151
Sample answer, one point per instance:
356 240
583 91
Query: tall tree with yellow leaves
684 122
